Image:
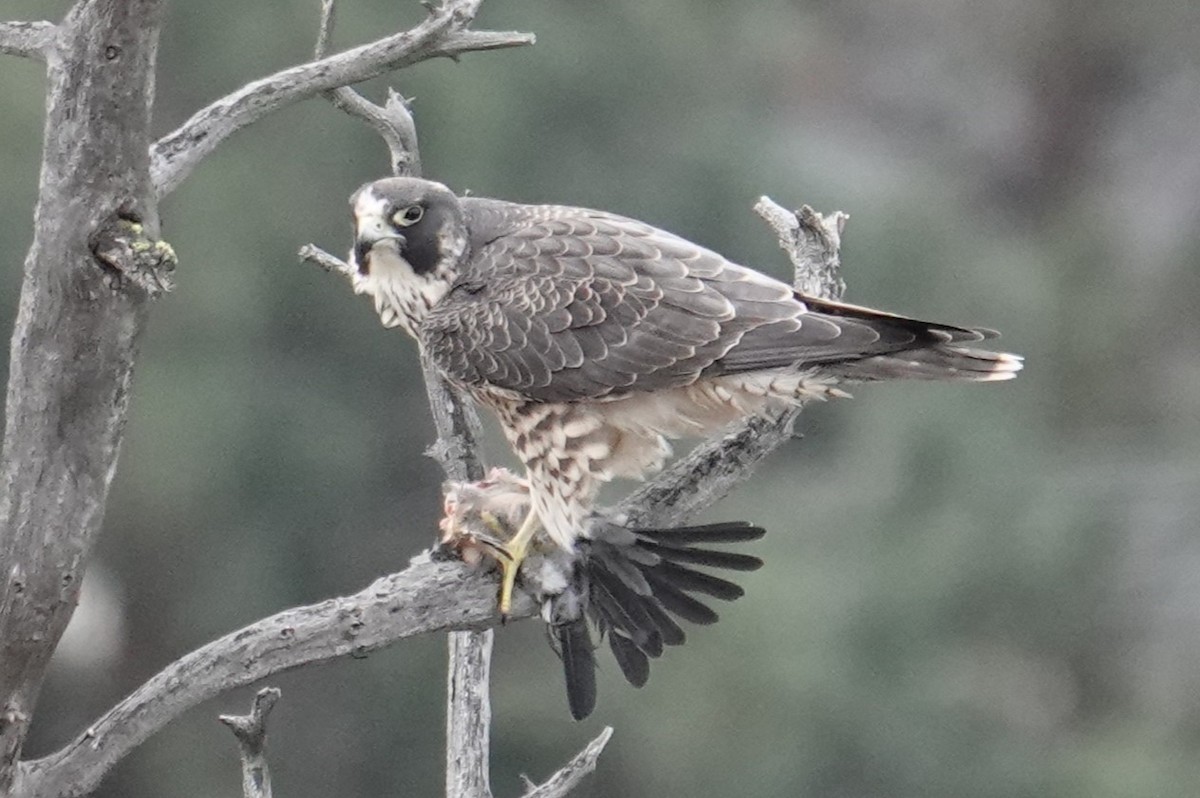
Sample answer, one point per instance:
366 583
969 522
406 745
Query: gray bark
75 339
468 680
469 715
28 39
569 776
251 733
426 597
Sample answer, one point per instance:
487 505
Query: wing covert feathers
566 304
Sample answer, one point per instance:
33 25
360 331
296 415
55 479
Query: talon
497 527
478 521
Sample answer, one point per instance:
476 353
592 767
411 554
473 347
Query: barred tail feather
692 555
907 348
624 609
944 362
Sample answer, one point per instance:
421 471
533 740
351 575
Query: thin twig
443 33
251 733
457 425
27 39
392 121
328 262
569 776
813 244
325 28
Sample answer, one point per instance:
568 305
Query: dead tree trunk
76 334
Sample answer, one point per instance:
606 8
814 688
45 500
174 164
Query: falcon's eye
409 216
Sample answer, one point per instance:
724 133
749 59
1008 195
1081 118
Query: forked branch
392 121
251 733
445 32
568 777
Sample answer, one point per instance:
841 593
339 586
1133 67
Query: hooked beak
368 235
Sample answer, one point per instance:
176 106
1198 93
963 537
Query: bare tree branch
425 597
325 28
27 39
75 338
327 261
392 121
813 244
458 428
251 733
443 33
571 774
706 474
469 715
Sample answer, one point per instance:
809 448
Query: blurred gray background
969 590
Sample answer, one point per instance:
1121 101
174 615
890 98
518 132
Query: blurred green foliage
970 590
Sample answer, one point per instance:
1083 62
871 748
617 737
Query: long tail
634 585
933 352
942 362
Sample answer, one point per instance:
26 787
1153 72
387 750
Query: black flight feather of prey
574 645
633 662
630 586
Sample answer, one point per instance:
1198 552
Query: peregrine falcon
596 338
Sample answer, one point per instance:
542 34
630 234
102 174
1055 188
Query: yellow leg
516 548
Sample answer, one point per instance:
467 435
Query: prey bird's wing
565 304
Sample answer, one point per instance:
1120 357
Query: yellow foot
515 550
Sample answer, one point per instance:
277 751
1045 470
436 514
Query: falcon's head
409 238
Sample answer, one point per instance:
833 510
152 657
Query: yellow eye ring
408 216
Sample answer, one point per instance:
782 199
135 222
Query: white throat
402 298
